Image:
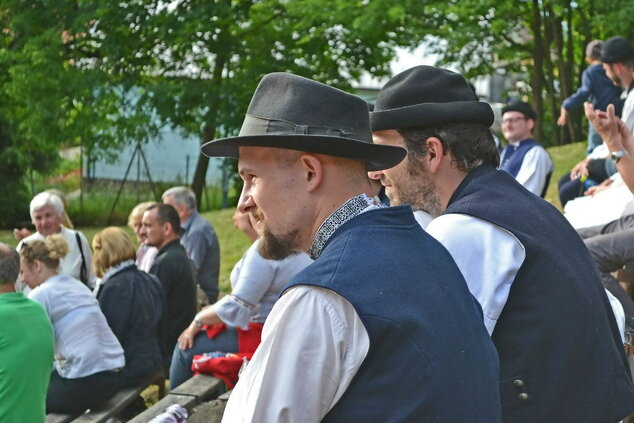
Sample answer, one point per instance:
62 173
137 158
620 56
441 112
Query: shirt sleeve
581 94
488 256
313 343
254 279
534 170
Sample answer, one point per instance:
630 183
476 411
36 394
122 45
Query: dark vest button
518 382
523 396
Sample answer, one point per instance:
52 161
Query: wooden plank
186 401
208 412
203 387
122 399
59 418
113 406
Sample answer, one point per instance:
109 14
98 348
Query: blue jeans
594 139
180 370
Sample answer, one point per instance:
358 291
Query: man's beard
278 247
419 191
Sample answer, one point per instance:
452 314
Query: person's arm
115 301
488 256
617 138
313 343
581 95
206 316
562 120
534 170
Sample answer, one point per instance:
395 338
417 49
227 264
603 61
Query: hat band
254 125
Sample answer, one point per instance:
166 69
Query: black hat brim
377 157
432 114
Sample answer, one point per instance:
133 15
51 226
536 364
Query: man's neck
7 288
448 184
167 241
186 217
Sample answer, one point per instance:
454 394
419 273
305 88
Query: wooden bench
113 406
196 390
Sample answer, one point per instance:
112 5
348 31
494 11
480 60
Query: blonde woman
88 356
131 300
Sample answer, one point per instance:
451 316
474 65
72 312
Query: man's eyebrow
244 170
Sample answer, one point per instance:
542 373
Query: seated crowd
113 316
468 309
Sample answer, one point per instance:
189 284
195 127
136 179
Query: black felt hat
616 50
292 112
520 106
427 96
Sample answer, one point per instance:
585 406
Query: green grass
564 158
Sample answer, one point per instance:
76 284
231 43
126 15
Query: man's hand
20 234
598 188
612 129
563 117
580 169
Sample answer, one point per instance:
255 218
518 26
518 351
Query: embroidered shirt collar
350 209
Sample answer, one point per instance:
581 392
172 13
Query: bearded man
561 354
381 327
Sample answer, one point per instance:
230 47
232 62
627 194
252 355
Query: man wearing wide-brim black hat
561 354
381 327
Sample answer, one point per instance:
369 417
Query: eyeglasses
513 120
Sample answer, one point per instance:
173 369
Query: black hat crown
293 112
427 96
617 50
522 107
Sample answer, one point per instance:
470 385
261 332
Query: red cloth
226 368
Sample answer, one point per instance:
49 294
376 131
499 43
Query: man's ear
435 154
167 228
312 171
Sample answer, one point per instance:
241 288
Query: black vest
430 357
561 356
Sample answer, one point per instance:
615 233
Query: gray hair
182 195
9 264
46 199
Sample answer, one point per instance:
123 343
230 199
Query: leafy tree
543 40
199 61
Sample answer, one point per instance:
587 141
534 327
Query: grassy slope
233 242
564 157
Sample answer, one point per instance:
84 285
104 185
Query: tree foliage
100 73
543 41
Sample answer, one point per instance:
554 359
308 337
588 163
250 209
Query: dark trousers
570 189
612 248
70 396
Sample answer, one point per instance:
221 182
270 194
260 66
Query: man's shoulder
173 250
171 256
200 224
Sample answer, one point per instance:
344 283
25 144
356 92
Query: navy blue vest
561 357
513 155
430 357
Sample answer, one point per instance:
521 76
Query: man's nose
245 203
